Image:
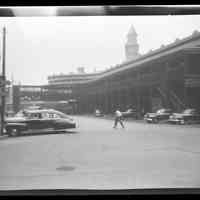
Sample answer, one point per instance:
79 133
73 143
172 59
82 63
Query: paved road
100 157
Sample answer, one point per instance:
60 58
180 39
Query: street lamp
3 82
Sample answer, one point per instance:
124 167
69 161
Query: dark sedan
37 121
188 116
161 115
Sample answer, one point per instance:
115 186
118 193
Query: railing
192 76
192 80
149 77
175 98
161 92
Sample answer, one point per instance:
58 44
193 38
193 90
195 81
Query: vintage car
161 115
188 116
98 113
38 121
130 113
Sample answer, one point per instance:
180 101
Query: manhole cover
65 168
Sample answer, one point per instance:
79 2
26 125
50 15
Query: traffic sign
4 92
8 82
4 82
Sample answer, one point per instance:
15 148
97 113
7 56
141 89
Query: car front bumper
174 120
149 119
71 125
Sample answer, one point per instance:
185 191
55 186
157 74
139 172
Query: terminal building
166 77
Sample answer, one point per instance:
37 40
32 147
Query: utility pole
3 82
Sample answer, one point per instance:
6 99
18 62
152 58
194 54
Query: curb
3 137
109 117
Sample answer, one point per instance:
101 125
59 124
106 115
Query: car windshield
61 115
21 114
160 111
163 111
28 114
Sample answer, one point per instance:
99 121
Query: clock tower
131 46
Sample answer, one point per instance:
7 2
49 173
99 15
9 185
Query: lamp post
3 82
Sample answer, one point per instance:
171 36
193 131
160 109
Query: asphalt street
96 156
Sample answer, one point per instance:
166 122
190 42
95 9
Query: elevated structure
70 79
166 77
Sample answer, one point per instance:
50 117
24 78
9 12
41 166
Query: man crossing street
118 118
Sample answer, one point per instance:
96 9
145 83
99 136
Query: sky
37 47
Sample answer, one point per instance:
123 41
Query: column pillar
164 85
112 101
138 95
185 64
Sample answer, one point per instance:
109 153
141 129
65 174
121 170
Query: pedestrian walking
118 118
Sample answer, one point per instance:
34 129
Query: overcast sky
42 46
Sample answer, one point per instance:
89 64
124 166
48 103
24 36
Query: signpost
3 82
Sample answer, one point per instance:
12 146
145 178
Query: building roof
192 41
73 75
178 45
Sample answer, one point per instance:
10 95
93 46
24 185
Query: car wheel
155 121
13 132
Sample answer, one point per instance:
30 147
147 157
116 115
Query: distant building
131 50
69 79
81 70
131 46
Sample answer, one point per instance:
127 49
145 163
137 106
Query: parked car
130 113
98 113
161 115
188 116
38 121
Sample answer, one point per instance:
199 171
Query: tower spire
131 46
132 31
